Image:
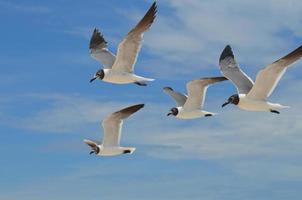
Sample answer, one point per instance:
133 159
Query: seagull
190 107
253 96
112 126
119 69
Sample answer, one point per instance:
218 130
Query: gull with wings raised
119 69
253 96
112 126
190 107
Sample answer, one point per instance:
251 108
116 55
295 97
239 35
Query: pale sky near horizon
48 106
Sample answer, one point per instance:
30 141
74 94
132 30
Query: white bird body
121 77
113 150
112 126
191 114
249 104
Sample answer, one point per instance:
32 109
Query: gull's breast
192 114
118 77
249 104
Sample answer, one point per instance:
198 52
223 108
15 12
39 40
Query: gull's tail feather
148 79
141 81
279 106
129 150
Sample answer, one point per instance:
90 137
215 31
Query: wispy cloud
233 133
22 7
193 35
62 113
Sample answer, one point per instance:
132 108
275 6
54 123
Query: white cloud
63 113
191 34
194 33
231 134
217 137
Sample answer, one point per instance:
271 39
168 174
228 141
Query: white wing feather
130 46
268 78
231 70
99 51
177 96
197 91
113 125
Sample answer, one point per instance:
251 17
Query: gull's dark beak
93 79
226 103
169 114
91 152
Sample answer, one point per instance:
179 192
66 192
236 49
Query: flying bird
112 126
119 68
253 96
190 107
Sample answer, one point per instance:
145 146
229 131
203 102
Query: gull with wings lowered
119 69
190 107
253 96
112 126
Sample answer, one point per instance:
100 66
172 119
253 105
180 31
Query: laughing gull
112 126
119 69
253 97
190 107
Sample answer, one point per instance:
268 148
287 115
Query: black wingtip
131 109
154 6
214 78
227 52
141 105
136 107
219 78
168 88
140 83
153 9
97 39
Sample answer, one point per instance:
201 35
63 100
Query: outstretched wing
268 78
178 97
113 125
92 144
230 69
197 91
129 48
99 51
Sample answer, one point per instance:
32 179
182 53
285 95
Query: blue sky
48 106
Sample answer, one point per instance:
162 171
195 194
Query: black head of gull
174 111
234 99
95 150
99 74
